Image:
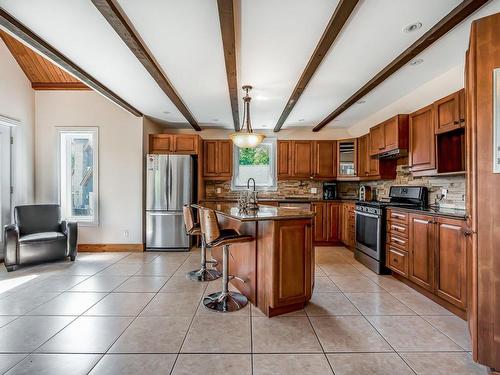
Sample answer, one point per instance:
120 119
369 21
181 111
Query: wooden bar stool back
193 229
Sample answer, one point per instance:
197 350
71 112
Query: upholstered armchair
38 235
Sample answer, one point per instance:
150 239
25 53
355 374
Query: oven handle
367 214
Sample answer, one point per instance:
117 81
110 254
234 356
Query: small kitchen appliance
365 193
329 190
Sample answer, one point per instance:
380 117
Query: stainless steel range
370 224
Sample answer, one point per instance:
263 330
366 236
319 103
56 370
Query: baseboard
106 247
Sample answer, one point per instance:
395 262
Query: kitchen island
278 266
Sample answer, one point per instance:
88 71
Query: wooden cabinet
307 159
217 159
451 261
303 159
367 166
421 250
347 158
389 135
422 156
347 223
185 144
449 112
429 251
326 222
325 155
285 159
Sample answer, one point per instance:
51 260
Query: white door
5 184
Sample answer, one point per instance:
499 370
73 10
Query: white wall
17 101
120 160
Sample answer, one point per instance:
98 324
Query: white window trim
273 161
95 176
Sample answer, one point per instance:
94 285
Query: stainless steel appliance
329 190
370 224
169 185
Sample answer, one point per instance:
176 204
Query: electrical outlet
126 233
218 190
314 190
444 192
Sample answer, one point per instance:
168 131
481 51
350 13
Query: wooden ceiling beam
339 18
457 15
226 18
16 28
117 19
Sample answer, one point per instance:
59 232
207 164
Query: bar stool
223 301
192 229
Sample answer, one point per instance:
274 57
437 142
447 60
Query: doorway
5 180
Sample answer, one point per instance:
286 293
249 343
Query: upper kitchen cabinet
372 168
422 155
347 158
325 153
390 137
307 159
303 159
217 159
185 144
449 112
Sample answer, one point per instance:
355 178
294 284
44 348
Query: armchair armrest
70 229
11 245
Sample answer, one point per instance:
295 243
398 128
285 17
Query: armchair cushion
41 237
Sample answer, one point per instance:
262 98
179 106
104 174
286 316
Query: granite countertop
453 213
263 213
284 200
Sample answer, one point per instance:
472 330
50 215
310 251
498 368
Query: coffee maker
329 190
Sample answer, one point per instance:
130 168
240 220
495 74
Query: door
5 180
422 155
186 144
368 234
284 159
165 230
179 182
333 221
303 159
377 139
156 182
363 156
160 143
421 249
210 158
346 156
451 261
391 134
326 159
320 232
447 113
225 158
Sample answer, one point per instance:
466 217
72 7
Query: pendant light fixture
245 137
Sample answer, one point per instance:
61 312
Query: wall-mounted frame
496 120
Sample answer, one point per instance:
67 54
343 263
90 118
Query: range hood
393 154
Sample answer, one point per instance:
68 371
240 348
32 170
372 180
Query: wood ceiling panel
42 74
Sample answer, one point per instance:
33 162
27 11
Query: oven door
369 234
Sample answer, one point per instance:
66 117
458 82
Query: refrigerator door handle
170 213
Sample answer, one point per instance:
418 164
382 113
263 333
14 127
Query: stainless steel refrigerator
169 185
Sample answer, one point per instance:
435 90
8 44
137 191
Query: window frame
273 160
94 131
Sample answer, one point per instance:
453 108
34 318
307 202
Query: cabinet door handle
456 122
468 233
397 216
397 240
397 228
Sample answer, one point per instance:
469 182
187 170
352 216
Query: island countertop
264 212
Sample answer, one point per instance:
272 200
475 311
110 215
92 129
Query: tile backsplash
454 184
286 188
292 188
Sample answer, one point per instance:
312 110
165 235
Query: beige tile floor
131 313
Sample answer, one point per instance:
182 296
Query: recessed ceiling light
264 126
412 27
417 62
361 101
215 119
301 119
166 112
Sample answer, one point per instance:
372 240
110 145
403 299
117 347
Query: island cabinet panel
422 153
421 254
285 159
217 159
450 112
291 264
451 261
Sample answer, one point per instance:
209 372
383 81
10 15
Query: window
258 163
78 174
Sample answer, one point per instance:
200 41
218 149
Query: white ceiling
275 43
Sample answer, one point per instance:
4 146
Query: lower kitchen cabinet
347 221
327 222
431 252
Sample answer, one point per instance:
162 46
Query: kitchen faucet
248 183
